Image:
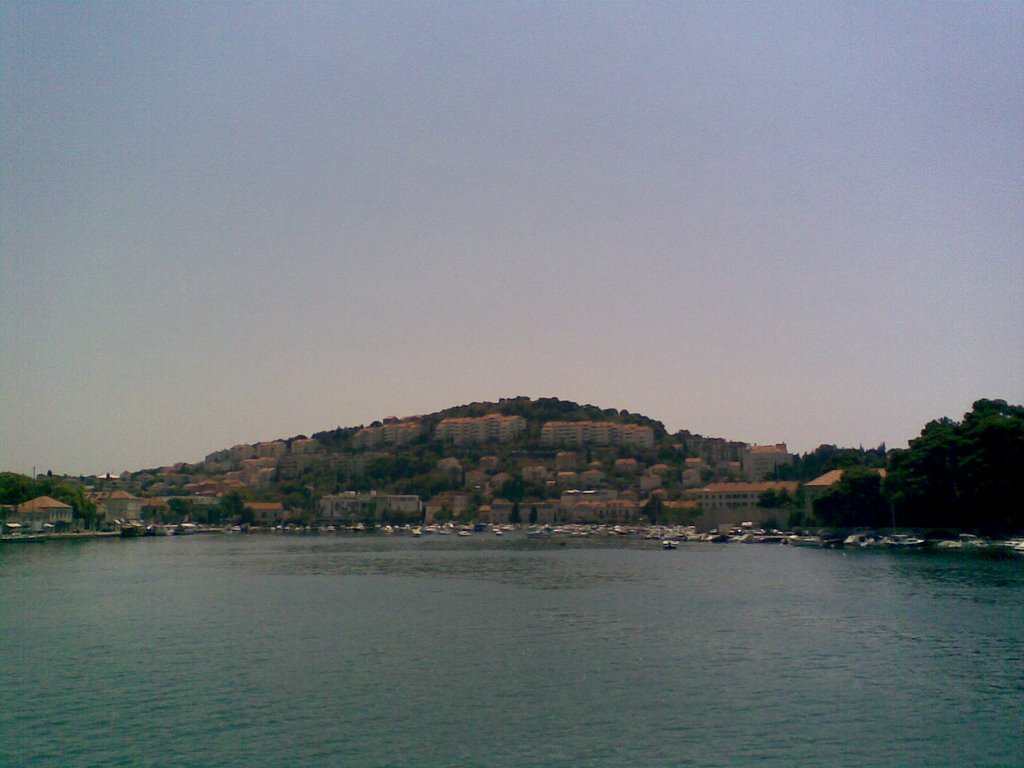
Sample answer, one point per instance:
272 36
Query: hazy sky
232 222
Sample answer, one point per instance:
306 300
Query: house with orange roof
44 513
266 512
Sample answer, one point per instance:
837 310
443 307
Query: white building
483 429
759 461
351 506
600 433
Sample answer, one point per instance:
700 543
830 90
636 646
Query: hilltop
515 448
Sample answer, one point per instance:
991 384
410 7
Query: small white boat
669 544
805 541
903 541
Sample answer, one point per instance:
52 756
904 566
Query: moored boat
903 541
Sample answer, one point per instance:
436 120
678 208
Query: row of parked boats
857 540
669 536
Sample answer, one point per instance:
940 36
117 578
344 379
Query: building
274 449
391 432
351 507
599 433
492 428
500 512
122 505
626 466
535 473
305 446
819 485
266 512
44 513
242 451
759 461
448 505
612 511
649 481
729 504
713 450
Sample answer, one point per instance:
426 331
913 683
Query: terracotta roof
826 480
121 495
267 506
831 478
768 485
40 503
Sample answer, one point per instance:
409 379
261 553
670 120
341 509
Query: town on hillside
517 461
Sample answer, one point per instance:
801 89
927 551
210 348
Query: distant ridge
535 411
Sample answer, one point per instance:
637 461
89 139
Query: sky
769 222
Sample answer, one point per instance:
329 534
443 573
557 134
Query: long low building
599 433
353 507
492 428
729 504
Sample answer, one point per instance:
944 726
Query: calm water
365 651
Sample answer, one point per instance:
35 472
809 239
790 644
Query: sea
368 650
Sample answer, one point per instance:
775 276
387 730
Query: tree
654 507
513 489
855 501
960 475
513 516
231 506
181 508
15 488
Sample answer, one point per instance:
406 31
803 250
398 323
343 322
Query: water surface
444 651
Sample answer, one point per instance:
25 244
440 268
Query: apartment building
759 461
391 432
599 433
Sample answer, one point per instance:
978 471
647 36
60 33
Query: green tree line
954 475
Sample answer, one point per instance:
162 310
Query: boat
804 541
669 544
131 530
859 540
970 540
903 541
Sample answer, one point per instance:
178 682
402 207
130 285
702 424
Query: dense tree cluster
954 475
16 488
825 458
960 475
